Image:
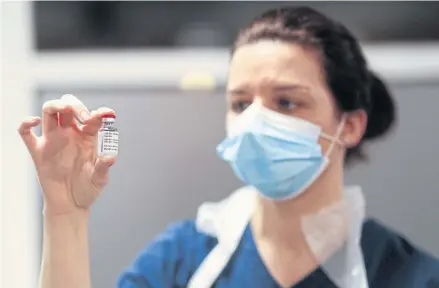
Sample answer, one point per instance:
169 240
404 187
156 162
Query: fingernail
84 115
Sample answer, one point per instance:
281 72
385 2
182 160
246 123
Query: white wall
19 218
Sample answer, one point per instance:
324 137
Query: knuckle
100 181
65 106
68 97
49 105
25 124
80 111
21 128
73 101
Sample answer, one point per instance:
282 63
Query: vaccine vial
108 136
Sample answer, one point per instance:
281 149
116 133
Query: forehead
265 62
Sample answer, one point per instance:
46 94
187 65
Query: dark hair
351 82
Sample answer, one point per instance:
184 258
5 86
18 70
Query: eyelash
237 106
281 102
284 101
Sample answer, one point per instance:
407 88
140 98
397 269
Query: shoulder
392 261
170 258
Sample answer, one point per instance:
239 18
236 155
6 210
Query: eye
240 106
285 104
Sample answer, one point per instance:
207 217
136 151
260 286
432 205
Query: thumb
100 172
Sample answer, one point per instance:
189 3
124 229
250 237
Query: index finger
80 111
92 126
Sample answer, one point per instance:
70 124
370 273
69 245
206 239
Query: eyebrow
237 91
276 87
289 87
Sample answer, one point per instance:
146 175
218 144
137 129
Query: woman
301 102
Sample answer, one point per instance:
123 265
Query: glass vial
108 136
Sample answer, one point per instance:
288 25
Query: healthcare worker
301 102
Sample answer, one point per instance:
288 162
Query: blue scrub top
173 257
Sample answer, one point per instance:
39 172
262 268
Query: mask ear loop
335 140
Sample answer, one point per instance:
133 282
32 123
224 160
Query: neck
279 222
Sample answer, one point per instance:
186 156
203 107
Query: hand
65 155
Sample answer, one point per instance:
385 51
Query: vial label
108 142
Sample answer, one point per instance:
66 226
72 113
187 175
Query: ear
355 126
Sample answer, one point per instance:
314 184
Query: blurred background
162 66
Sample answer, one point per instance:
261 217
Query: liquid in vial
108 136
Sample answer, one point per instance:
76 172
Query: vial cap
108 115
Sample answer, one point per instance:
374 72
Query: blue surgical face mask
279 155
